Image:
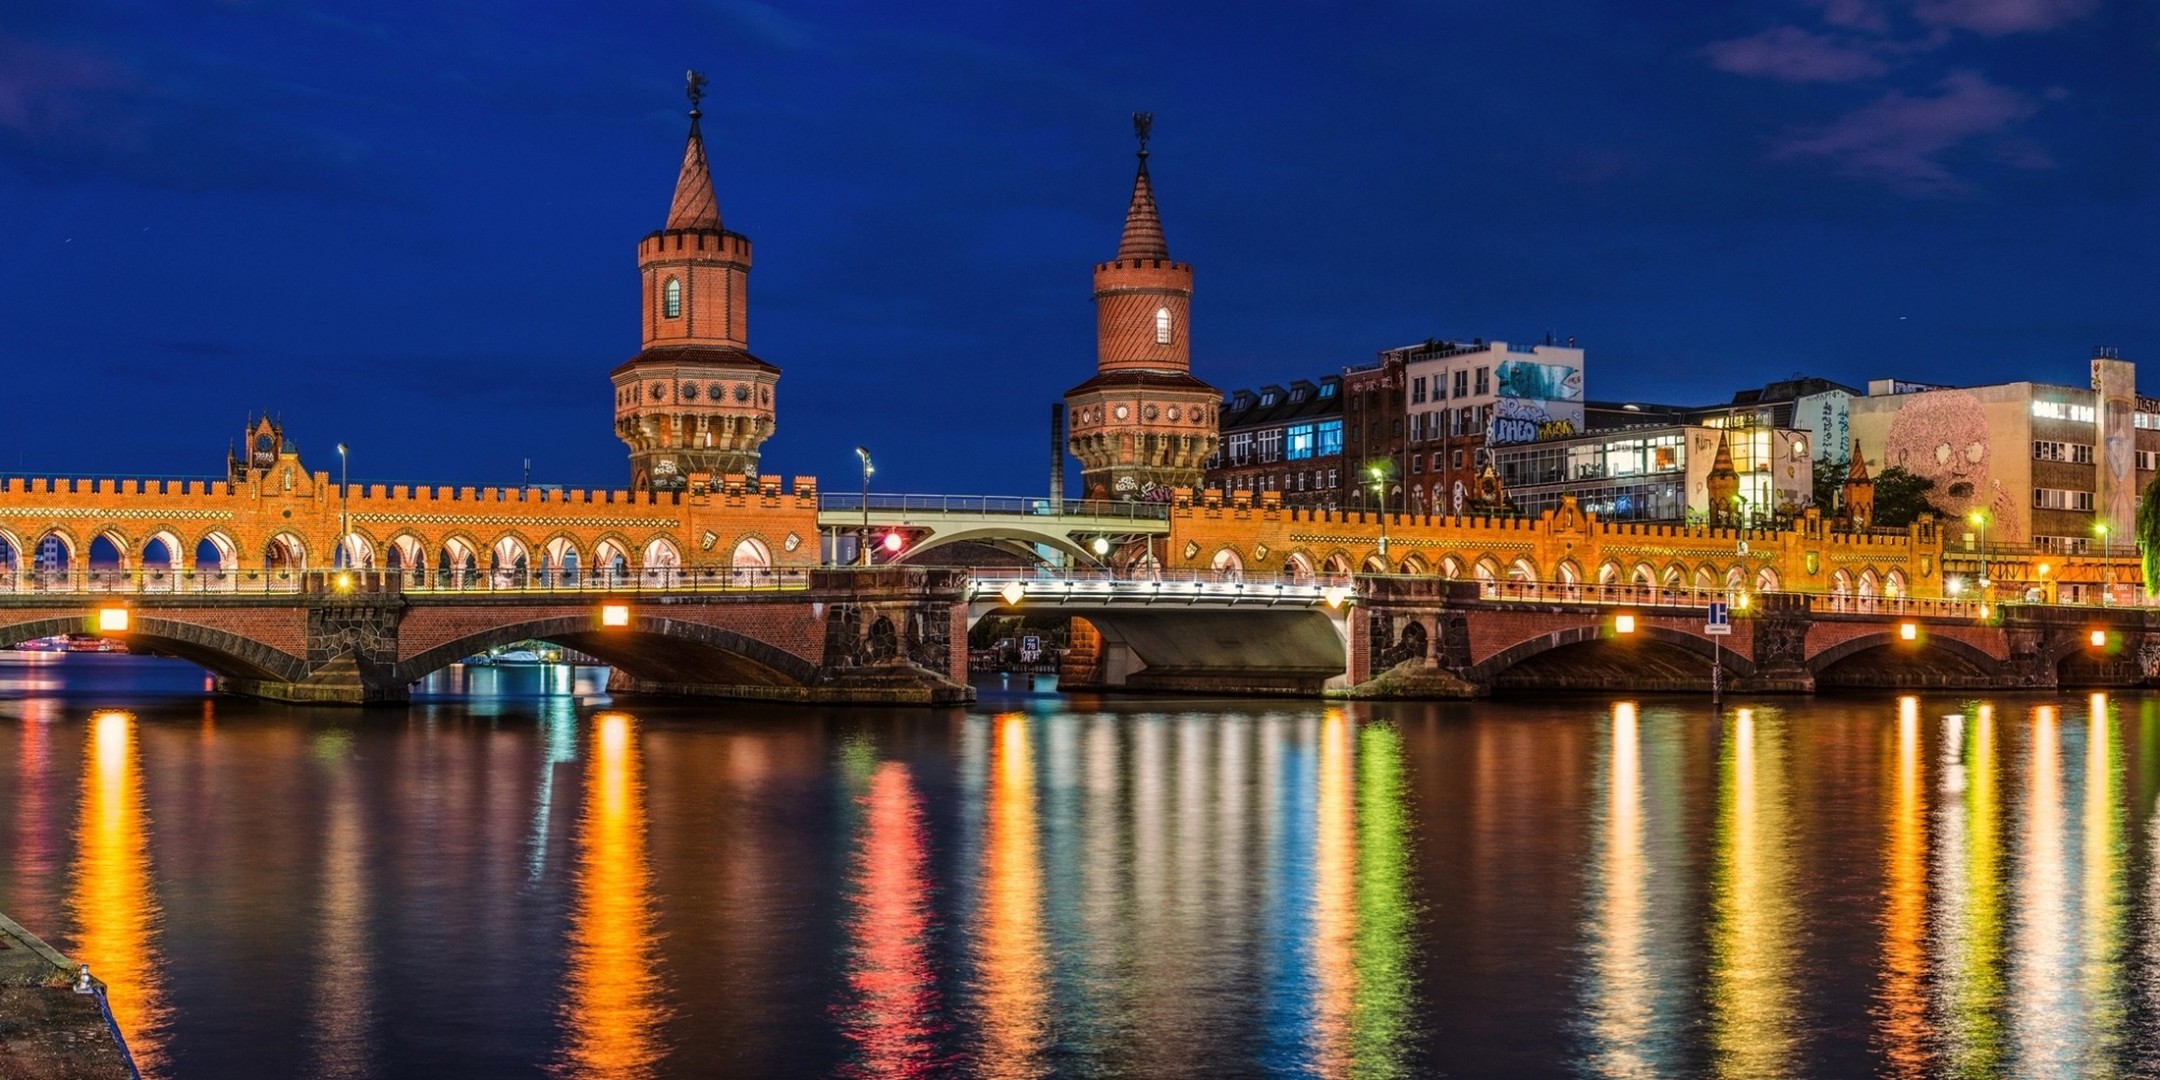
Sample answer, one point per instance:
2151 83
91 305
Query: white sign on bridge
1720 624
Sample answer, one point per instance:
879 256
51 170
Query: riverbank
47 1030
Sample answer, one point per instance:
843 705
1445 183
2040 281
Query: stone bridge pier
888 635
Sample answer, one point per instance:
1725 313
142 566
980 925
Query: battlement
1144 264
694 243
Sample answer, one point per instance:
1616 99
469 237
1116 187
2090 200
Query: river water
518 877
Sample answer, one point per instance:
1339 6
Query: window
1298 445
1327 389
2059 499
1484 381
1417 463
1330 438
2075 453
1462 383
671 298
2060 545
1417 390
1270 443
2148 460
1240 447
1439 387
1162 326
1267 399
1333 479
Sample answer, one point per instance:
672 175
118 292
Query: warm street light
2107 553
2099 639
862 541
344 514
1379 487
1623 624
1908 631
1979 519
112 620
614 614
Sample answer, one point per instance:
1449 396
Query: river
516 876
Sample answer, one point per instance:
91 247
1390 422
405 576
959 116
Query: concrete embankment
48 1031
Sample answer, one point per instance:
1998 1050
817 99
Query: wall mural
1943 435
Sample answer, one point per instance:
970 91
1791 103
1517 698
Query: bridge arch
1938 645
1593 634
1338 563
356 550
1299 565
219 651
651 647
286 552
1413 564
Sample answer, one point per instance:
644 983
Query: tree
1829 480
1901 497
2148 532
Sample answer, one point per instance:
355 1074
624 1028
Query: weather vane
696 90
1142 123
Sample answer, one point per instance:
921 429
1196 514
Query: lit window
671 299
1162 326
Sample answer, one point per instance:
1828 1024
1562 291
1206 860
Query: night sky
413 228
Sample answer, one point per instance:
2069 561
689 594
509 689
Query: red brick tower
1143 425
694 401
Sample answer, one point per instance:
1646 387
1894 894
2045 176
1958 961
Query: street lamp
344 508
1379 487
862 540
2107 555
1979 520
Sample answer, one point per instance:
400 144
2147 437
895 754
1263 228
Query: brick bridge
896 634
887 635
1421 637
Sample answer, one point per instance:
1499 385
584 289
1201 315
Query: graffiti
1943 436
1556 429
1530 380
1516 421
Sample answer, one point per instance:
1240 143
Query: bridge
896 634
1039 529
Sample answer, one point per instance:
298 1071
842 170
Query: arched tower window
671 298
1162 326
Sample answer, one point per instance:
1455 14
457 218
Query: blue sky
412 228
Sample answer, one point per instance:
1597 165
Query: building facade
694 405
1143 426
1374 455
1288 441
2033 466
1660 473
1462 397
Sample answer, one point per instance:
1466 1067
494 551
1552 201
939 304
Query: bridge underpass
1240 637
1041 530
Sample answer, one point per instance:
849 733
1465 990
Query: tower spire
694 206
1143 237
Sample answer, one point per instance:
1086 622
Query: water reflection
1011 968
1969 927
614 1008
114 900
343 1009
1384 1018
1903 1004
891 1015
1752 947
1621 1004
2102 938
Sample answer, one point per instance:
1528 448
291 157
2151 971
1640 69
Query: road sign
1030 648
1719 624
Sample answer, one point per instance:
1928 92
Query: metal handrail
1019 505
986 579
467 581
1633 595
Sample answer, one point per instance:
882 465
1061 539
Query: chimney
1057 456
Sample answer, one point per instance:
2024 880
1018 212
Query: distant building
2042 465
1284 440
1658 472
1463 397
1373 434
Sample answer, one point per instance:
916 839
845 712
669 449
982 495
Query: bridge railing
625 579
992 505
222 582
998 575
1576 592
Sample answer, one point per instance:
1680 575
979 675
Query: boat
517 656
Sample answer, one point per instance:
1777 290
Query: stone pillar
1780 624
890 636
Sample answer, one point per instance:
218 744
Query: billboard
1536 401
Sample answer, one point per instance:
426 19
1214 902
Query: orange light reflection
613 1008
893 1020
1011 967
116 909
1904 1024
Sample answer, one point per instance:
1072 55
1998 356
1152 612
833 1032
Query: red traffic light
893 542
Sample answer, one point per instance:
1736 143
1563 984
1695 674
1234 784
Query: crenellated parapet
1240 532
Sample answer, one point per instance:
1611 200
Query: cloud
1902 141
1794 55
1855 15
1995 18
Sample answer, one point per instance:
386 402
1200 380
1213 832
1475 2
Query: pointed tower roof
1857 473
1722 465
694 206
1143 237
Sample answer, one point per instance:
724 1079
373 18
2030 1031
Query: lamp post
2107 560
344 508
862 541
1379 486
1979 520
